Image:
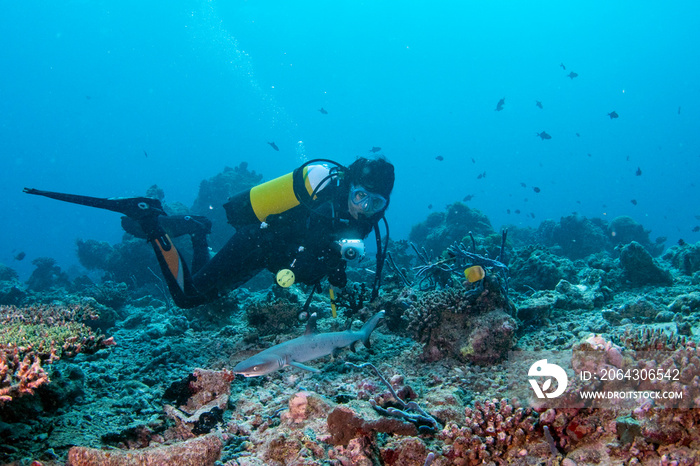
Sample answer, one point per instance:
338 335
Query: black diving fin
137 208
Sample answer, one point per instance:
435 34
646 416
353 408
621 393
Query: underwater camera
352 250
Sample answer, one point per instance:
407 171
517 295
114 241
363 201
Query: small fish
323 111
499 105
517 211
613 115
430 206
474 273
627 158
562 65
681 242
20 255
473 161
588 154
375 149
679 110
523 184
439 158
578 135
543 135
274 146
532 214
634 202
638 172
508 211
538 103
145 153
468 198
536 189
572 75
481 175
695 230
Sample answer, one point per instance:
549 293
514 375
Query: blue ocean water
108 98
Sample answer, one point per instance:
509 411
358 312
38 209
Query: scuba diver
303 227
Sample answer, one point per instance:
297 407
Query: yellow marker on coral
334 310
474 273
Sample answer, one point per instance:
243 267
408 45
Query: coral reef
199 451
7 273
131 261
535 268
208 399
474 327
109 293
685 257
47 275
640 268
442 229
624 230
578 237
444 391
272 315
34 336
408 411
494 431
12 291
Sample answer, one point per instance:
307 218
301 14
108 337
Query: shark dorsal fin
311 325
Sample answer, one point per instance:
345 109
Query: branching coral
495 432
37 335
455 322
650 340
424 314
353 299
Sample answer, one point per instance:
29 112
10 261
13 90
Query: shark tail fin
369 326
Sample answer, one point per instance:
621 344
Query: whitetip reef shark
309 346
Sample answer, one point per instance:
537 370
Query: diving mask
370 202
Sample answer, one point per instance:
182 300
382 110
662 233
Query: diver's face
354 209
363 202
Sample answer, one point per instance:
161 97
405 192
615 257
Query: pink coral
495 430
200 451
36 335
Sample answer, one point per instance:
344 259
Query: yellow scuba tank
277 195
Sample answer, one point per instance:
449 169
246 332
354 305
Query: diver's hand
312 266
337 276
308 267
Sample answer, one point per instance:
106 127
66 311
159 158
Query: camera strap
381 257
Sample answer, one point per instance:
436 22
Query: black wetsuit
302 239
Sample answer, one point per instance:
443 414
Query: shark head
257 365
